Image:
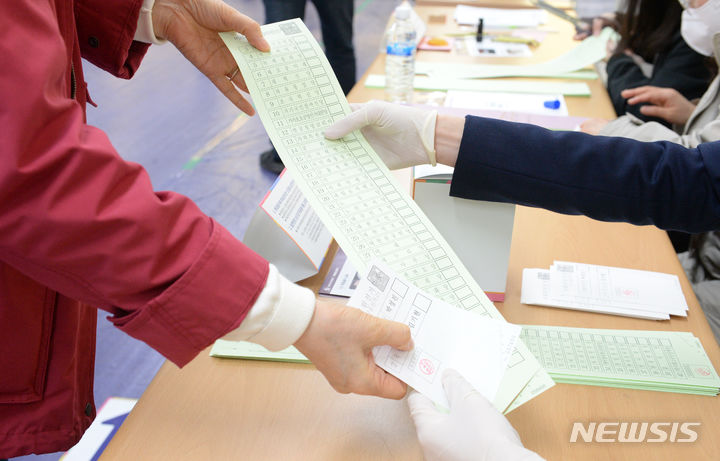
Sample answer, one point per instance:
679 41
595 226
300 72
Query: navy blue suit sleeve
605 178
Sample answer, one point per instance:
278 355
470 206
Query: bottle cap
403 11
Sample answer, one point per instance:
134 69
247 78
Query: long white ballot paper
445 337
352 191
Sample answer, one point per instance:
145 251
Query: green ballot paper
667 361
252 351
351 190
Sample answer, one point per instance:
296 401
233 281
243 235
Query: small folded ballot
667 361
478 347
604 289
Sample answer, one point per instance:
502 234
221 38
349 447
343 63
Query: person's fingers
239 82
393 334
597 26
352 122
385 385
422 408
458 390
630 92
229 91
591 126
655 111
232 19
651 96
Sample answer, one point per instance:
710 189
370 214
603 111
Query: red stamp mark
703 371
426 366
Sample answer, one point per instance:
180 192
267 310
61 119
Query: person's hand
339 342
585 29
665 103
473 430
593 125
403 136
193 26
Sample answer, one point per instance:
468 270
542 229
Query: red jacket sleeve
79 219
105 30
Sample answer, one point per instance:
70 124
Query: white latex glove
403 136
473 430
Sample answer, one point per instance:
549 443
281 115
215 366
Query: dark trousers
336 22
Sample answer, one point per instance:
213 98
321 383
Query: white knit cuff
280 315
145 32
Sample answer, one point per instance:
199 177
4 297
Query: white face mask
699 25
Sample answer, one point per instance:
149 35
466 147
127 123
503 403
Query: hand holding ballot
193 26
340 340
403 136
472 430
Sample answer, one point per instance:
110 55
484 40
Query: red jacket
77 222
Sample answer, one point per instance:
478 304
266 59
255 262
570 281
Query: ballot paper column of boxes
479 232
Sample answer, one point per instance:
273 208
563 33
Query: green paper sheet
638 359
252 351
357 198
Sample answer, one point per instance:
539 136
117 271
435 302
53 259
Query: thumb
422 409
234 20
393 334
352 122
459 390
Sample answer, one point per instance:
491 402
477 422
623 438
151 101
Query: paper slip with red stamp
445 336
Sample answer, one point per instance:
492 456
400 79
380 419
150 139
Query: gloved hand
473 430
403 136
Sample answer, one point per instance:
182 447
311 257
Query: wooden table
217 409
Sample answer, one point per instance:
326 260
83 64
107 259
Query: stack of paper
532 103
499 17
585 54
444 83
667 361
608 290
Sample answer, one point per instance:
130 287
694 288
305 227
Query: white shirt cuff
280 315
144 32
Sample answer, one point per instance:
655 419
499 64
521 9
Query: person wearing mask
658 90
652 52
696 122
83 229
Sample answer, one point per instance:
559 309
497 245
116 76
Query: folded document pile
604 289
667 361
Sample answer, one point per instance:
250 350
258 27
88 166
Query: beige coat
702 126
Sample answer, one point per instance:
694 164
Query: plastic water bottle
400 59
